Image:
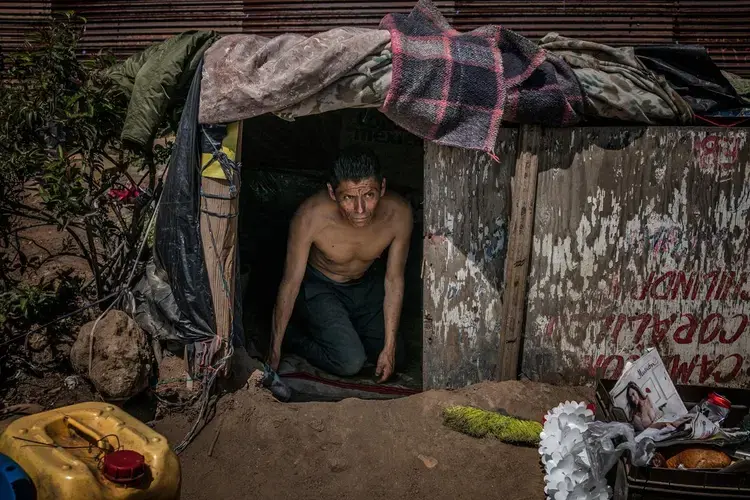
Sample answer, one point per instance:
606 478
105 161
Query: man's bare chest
343 246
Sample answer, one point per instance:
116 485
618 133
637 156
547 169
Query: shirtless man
343 309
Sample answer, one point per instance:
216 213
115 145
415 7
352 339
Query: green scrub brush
480 423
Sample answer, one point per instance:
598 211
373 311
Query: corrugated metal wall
129 25
301 16
723 27
17 19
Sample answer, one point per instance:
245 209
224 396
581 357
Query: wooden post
523 193
218 222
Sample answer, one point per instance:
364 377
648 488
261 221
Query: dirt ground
359 449
353 449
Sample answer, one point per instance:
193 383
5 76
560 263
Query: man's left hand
386 362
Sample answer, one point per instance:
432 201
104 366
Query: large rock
122 356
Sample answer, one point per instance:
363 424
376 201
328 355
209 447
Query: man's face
357 200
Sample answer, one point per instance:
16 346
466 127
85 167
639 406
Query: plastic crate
650 483
14 483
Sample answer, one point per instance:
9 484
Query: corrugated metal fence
17 19
129 25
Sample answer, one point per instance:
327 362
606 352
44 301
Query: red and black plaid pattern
457 88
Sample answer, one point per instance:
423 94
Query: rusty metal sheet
641 239
128 26
466 209
604 21
303 16
18 19
722 27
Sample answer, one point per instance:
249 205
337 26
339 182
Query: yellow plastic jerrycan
92 451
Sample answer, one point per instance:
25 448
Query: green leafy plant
28 304
61 160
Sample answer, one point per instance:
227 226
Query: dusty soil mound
359 449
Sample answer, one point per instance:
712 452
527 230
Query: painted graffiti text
673 285
700 368
718 153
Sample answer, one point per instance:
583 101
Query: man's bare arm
297 252
394 289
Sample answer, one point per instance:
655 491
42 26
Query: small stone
255 379
38 341
71 382
317 425
41 353
429 462
337 465
44 358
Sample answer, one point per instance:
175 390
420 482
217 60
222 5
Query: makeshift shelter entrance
448 88
193 290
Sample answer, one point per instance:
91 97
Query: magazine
647 396
648 399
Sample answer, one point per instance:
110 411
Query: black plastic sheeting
174 296
691 72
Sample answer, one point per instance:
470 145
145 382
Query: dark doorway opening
284 162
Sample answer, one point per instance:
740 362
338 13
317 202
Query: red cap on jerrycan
124 466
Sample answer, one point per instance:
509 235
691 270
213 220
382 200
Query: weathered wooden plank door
641 239
466 210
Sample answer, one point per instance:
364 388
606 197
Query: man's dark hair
355 164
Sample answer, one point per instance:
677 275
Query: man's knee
349 363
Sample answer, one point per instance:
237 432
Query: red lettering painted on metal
668 277
739 361
720 368
661 328
684 334
645 289
673 284
737 333
706 326
644 320
621 319
682 371
708 366
712 277
718 154
683 285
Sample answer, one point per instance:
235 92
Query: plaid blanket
457 88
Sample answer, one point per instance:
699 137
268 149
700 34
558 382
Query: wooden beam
523 193
218 222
